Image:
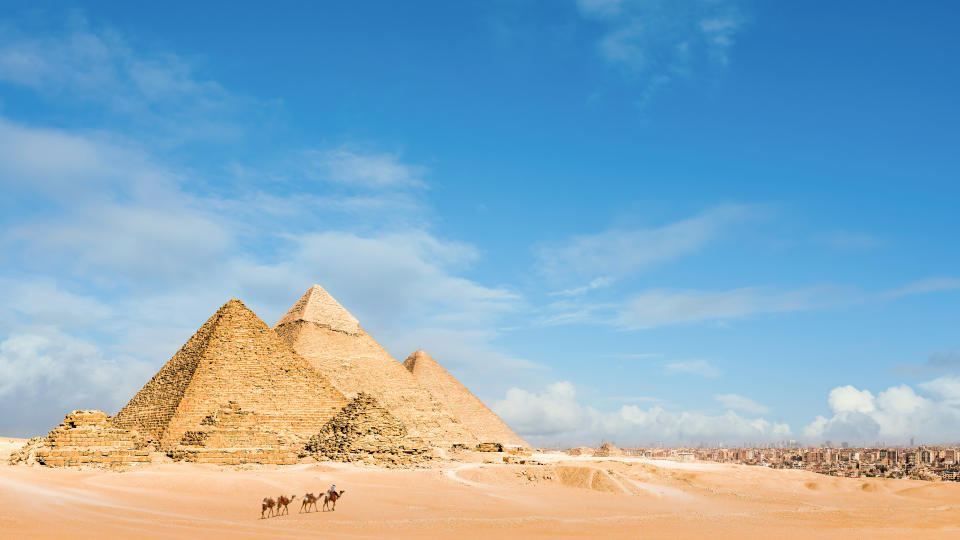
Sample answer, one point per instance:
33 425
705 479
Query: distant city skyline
933 463
620 220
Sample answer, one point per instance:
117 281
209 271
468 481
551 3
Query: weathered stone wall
365 431
234 356
483 423
355 362
232 436
86 438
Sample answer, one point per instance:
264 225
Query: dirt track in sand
566 498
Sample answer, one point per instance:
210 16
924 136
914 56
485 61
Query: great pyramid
234 357
483 423
328 336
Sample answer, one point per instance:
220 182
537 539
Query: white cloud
552 412
894 415
137 241
46 302
635 399
694 367
368 170
556 416
656 41
946 388
925 286
594 284
45 374
67 166
55 369
740 403
160 92
849 399
654 308
662 307
618 252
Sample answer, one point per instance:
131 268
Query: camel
283 501
268 504
309 500
332 497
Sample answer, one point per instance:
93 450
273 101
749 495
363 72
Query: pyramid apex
419 359
234 305
318 307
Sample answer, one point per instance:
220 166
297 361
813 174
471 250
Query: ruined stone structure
232 436
608 450
84 438
365 431
327 335
483 423
233 357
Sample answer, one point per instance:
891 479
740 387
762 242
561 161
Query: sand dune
564 498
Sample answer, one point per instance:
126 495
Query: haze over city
645 222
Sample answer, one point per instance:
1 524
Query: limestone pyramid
483 423
328 336
233 357
364 430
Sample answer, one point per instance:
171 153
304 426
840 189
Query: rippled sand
565 498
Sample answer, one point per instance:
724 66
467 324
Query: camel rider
333 490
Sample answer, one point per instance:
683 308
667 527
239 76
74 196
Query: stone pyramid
328 336
364 430
233 357
483 423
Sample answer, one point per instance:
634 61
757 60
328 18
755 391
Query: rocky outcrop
365 431
489 447
27 454
84 438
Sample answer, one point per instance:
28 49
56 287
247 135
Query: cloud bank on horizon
561 204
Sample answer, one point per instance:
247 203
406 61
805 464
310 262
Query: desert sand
565 497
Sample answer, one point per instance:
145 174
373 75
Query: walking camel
331 498
309 500
267 505
283 501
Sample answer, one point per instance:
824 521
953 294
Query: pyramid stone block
483 423
328 336
365 431
86 438
234 357
232 436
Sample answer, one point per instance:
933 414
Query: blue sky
624 220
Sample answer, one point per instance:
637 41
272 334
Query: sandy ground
564 498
